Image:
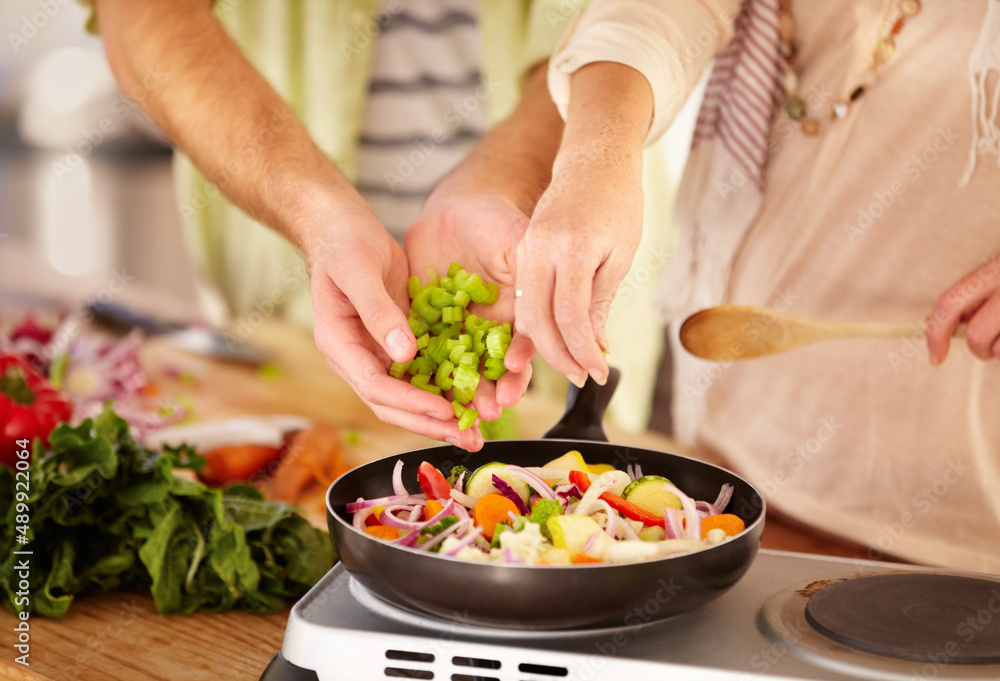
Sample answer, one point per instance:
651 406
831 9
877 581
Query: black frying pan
547 597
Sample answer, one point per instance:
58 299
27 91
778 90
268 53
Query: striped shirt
425 107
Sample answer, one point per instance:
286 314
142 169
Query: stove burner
945 619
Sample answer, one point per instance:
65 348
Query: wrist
611 107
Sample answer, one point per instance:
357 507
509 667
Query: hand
479 231
975 299
578 248
358 274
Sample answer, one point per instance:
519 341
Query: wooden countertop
120 637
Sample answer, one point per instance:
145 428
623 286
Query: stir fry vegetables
566 512
452 342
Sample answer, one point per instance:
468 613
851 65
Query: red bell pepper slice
432 482
30 407
626 508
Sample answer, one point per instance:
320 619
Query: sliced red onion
360 517
549 473
693 528
512 516
463 499
535 482
591 540
397 479
725 494
612 526
460 512
509 557
628 532
630 471
360 504
706 509
415 514
409 539
387 517
592 495
672 524
464 541
458 527
509 492
458 483
532 499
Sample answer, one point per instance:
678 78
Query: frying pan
547 597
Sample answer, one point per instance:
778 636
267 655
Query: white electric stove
758 629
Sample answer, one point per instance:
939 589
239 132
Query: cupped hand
358 279
479 231
576 251
974 299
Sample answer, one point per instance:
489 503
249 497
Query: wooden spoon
731 332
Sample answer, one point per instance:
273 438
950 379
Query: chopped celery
462 298
398 370
420 380
413 286
454 269
458 407
468 418
452 314
494 292
418 325
455 356
438 327
430 388
441 299
443 377
422 341
448 284
432 276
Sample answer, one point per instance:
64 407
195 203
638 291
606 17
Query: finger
436 429
571 311
485 401
607 280
380 314
533 316
342 342
959 302
983 328
512 386
520 353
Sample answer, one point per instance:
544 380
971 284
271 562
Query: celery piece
458 407
468 418
466 340
462 299
413 286
493 362
430 388
420 380
398 370
452 314
443 377
472 323
454 269
494 292
469 359
494 373
497 342
438 327
465 384
423 340
455 356
448 284
418 326
440 298
478 346
422 365
507 329
422 306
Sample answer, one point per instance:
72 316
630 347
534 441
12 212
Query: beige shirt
867 222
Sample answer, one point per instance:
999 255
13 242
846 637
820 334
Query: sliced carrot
727 522
584 558
383 532
432 508
490 510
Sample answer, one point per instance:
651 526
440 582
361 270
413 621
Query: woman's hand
358 274
479 231
586 227
975 299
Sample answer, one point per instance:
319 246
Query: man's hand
586 227
359 274
480 232
975 299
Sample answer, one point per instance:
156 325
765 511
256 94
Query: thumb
380 314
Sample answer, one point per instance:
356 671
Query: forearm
515 158
610 110
220 111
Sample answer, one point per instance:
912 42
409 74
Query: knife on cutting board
199 340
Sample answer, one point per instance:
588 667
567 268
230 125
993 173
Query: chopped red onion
725 494
464 541
592 495
463 499
508 491
672 524
509 557
458 527
535 482
693 528
706 509
628 532
459 482
397 479
360 504
408 539
611 528
387 517
591 540
360 517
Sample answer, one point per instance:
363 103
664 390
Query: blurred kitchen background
85 178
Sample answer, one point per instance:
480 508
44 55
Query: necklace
885 50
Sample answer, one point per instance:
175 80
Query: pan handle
585 410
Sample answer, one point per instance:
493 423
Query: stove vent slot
477 662
408 656
542 669
399 673
467 677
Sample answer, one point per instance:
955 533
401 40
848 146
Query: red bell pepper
432 482
626 508
29 406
